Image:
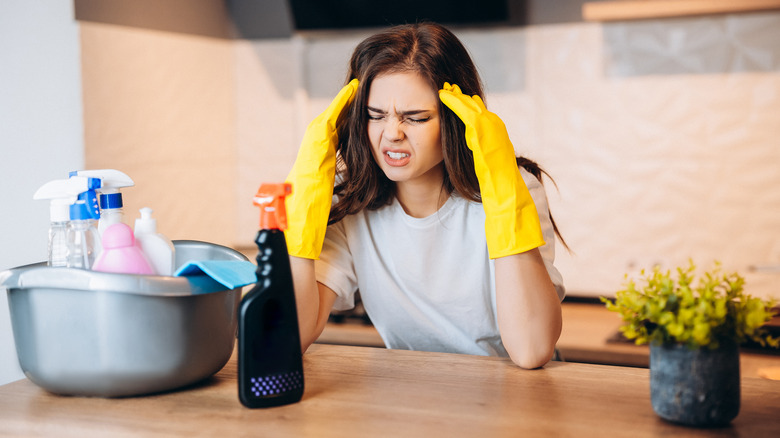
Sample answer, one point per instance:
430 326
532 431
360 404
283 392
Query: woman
431 218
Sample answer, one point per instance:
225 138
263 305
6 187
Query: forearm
529 311
313 301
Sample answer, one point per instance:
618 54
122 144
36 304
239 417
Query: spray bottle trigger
89 196
270 199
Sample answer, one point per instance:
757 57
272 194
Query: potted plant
694 327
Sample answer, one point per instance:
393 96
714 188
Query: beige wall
661 135
161 107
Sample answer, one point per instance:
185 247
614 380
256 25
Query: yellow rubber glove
312 178
511 221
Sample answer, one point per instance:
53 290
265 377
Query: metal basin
112 335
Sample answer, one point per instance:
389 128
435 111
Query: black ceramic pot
695 387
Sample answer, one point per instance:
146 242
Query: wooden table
370 392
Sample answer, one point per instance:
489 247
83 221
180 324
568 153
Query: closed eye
418 120
406 116
375 114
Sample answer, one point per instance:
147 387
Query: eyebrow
402 113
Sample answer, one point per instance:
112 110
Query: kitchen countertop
586 337
362 391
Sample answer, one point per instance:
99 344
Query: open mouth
397 155
397 159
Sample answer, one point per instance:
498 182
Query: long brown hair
438 56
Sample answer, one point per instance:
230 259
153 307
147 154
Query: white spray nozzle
112 179
62 193
63 188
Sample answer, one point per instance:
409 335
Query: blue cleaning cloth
229 273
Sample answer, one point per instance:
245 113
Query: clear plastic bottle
58 232
83 237
61 193
58 244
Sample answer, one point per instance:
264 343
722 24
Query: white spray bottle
111 205
62 193
157 248
83 237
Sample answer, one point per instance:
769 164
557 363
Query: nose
393 129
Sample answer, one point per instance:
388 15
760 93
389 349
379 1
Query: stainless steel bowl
101 334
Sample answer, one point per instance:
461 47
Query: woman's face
404 128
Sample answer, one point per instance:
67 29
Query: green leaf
698 310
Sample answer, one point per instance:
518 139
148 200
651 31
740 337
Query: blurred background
662 134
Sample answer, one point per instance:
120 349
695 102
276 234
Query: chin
394 177
394 174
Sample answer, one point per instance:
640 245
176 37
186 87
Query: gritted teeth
397 155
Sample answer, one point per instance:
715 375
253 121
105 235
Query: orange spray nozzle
270 199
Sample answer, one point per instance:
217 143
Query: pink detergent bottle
120 253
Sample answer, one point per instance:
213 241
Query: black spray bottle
270 368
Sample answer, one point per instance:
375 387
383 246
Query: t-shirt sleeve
547 250
335 268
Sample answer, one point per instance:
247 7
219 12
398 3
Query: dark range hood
280 18
340 14
256 19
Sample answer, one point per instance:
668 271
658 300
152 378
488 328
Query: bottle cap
270 199
59 210
110 201
146 224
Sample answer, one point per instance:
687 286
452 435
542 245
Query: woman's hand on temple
512 223
312 179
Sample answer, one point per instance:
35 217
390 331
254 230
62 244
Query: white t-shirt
426 283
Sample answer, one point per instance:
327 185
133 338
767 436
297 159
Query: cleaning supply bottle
270 369
83 238
58 241
158 249
120 253
62 193
111 204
